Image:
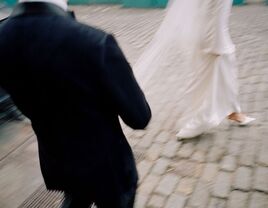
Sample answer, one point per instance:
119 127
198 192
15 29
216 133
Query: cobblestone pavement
228 166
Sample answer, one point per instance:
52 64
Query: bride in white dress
195 36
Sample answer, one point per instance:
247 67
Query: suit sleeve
122 86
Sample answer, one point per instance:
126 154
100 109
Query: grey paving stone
261 179
13 135
20 174
153 152
167 184
186 150
199 156
143 168
238 199
187 168
163 137
222 186
186 185
228 163
263 155
221 139
217 203
160 166
234 148
240 133
148 185
200 196
248 154
176 201
210 172
205 143
258 200
243 179
138 134
170 149
215 154
141 200
156 201
145 142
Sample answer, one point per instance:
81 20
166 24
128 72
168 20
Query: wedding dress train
194 35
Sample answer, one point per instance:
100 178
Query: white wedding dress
194 37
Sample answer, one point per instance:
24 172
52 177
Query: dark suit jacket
73 82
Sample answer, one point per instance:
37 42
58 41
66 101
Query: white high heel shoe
246 121
186 134
191 130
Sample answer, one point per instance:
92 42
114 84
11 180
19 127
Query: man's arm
122 86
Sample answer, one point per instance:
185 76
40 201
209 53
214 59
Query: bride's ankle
239 117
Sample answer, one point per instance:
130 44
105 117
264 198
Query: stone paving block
243 178
187 168
225 126
153 152
240 134
170 149
160 166
248 154
139 133
199 156
20 174
234 148
186 150
133 142
222 185
228 163
176 201
145 142
263 155
167 184
217 203
148 185
261 179
200 196
156 201
127 130
204 143
186 185
221 139
258 200
169 125
143 169
141 200
153 130
210 172
12 136
238 199
163 137
215 154
161 117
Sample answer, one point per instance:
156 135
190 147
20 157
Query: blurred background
228 167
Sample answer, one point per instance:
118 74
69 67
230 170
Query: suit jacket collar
32 8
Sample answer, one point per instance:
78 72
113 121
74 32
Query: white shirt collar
60 3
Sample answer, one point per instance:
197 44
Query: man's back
72 81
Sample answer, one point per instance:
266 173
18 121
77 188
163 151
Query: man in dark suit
73 82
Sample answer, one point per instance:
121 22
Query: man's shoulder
89 32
